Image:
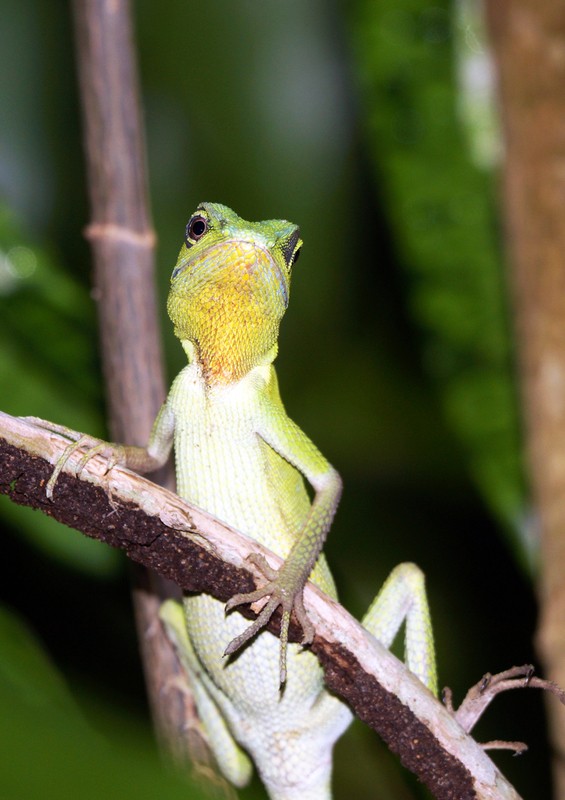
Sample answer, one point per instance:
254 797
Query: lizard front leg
285 586
138 459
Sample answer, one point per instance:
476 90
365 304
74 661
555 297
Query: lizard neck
218 370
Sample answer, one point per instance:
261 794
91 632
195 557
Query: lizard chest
225 467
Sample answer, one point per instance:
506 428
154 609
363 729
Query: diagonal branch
183 543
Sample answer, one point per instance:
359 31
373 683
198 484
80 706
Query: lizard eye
195 229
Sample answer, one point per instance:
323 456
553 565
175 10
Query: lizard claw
68 452
279 595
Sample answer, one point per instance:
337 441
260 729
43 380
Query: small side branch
481 695
185 544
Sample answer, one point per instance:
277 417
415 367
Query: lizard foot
280 592
114 453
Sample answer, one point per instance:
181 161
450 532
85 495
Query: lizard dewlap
229 299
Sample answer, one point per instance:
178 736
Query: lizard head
230 289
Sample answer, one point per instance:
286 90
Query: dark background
395 355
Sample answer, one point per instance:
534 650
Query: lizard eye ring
195 230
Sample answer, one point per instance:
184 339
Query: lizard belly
224 467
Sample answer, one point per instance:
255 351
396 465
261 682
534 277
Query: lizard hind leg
232 760
402 598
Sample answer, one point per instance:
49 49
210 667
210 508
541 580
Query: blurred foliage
49 750
47 326
441 212
395 354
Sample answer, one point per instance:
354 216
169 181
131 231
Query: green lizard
241 458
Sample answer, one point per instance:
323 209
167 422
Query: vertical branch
529 43
122 244
120 233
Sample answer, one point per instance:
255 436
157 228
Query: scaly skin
242 459
229 291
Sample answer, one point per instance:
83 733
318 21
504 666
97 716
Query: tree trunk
528 37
